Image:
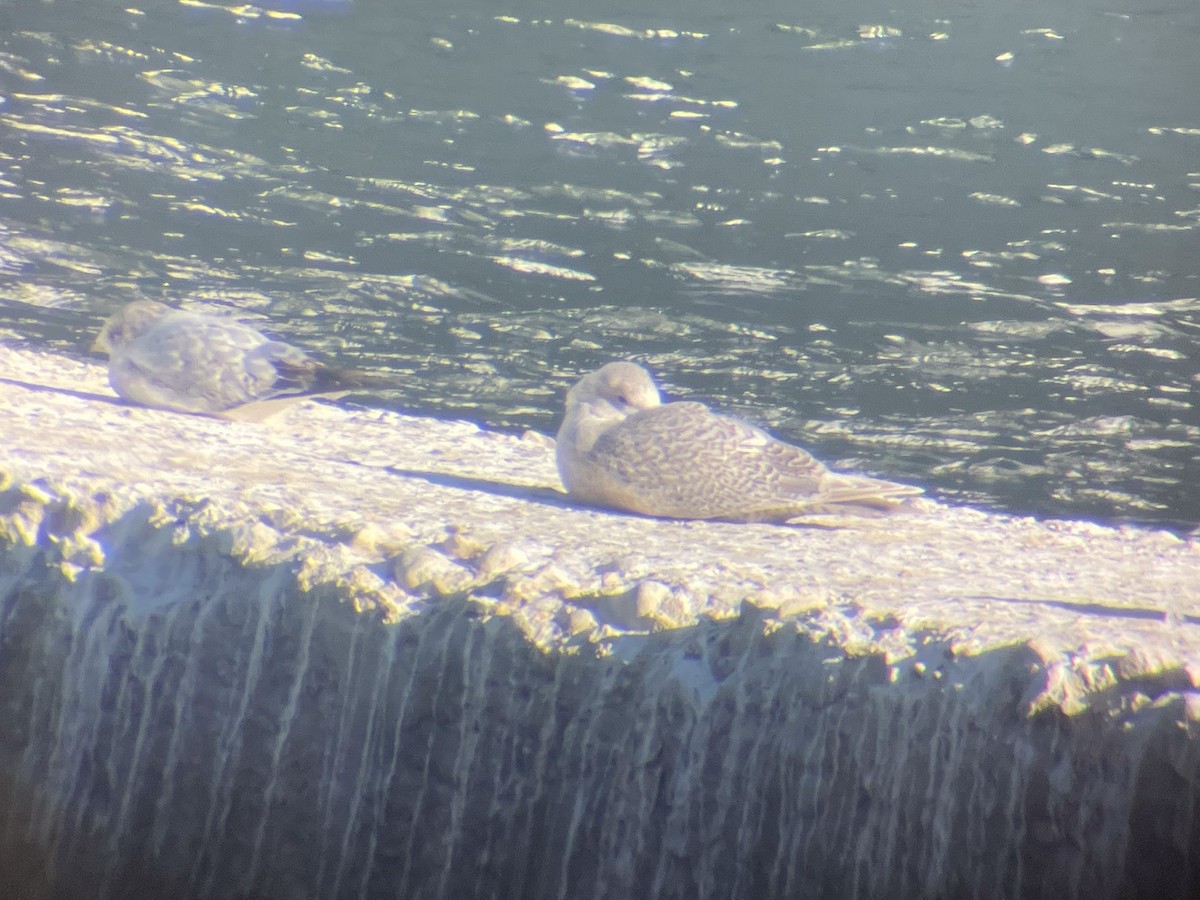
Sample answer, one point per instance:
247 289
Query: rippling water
957 245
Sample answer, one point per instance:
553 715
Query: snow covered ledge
347 653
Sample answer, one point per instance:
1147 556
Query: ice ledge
452 508
858 680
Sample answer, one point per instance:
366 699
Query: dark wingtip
334 378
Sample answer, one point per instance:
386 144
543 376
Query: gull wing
683 460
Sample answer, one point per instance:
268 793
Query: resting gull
621 447
212 365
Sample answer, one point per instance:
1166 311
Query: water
955 244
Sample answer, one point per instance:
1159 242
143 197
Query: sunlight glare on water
955 245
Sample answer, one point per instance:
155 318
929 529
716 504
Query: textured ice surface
351 653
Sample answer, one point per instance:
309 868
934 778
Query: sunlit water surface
957 244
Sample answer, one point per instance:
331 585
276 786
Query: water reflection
945 245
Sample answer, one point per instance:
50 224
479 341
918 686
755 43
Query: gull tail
859 495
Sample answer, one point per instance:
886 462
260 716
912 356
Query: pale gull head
128 324
612 392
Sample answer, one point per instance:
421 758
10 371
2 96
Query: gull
621 447
212 365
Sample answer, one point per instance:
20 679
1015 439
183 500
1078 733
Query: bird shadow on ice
70 392
531 492
561 500
1092 608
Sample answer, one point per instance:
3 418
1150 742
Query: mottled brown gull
212 365
620 446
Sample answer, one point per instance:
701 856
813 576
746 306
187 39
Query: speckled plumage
213 365
619 446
